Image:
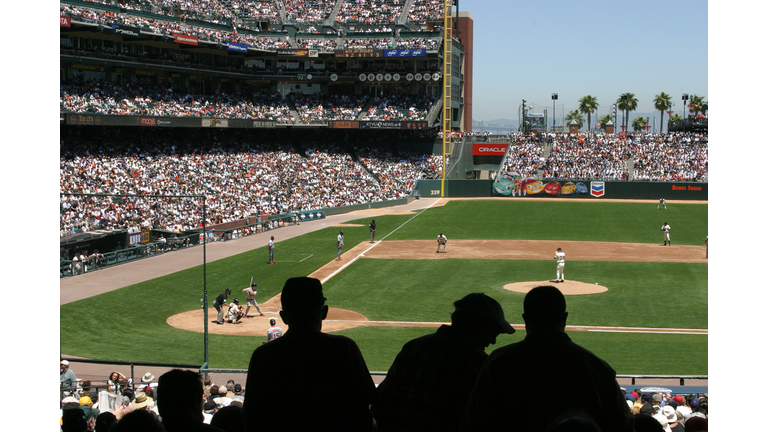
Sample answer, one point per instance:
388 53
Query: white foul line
374 245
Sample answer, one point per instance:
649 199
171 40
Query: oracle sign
148 121
489 149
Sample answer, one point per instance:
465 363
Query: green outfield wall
590 190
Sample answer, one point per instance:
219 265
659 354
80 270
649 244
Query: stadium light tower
554 98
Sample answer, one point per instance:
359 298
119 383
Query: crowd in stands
674 156
369 11
170 28
241 177
104 97
318 108
400 108
308 11
428 44
523 158
365 43
324 44
425 10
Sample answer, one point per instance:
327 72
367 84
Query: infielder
250 299
271 246
339 245
273 332
665 229
372 228
441 240
662 203
560 258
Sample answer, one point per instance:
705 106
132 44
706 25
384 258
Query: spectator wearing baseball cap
67 379
415 394
516 379
324 382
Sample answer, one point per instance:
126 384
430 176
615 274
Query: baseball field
637 304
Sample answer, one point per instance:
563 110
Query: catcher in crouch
235 313
441 240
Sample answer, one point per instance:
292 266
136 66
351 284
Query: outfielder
250 299
271 246
441 240
339 245
662 203
665 229
560 257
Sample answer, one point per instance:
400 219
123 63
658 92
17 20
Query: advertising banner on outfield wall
515 185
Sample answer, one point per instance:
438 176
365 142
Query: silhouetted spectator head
646 423
180 397
695 424
73 420
573 421
303 303
483 315
544 306
229 418
139 420
104 421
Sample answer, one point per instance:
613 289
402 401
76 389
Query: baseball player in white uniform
339 245
234 313
665 229
441 240
560 258
250 299
662 203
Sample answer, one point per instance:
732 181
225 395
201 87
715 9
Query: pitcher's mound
567 288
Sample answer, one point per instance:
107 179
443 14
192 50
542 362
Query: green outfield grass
130 323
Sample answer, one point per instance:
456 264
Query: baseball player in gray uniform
665 229
250 299
662 203
441 240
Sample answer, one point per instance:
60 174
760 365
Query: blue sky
531 49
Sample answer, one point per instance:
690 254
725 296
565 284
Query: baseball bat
251 284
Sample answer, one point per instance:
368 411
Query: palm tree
627 102
662 102
699 104
675 119
604 120
574 115
639 124
587 105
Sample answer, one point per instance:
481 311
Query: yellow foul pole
447 58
